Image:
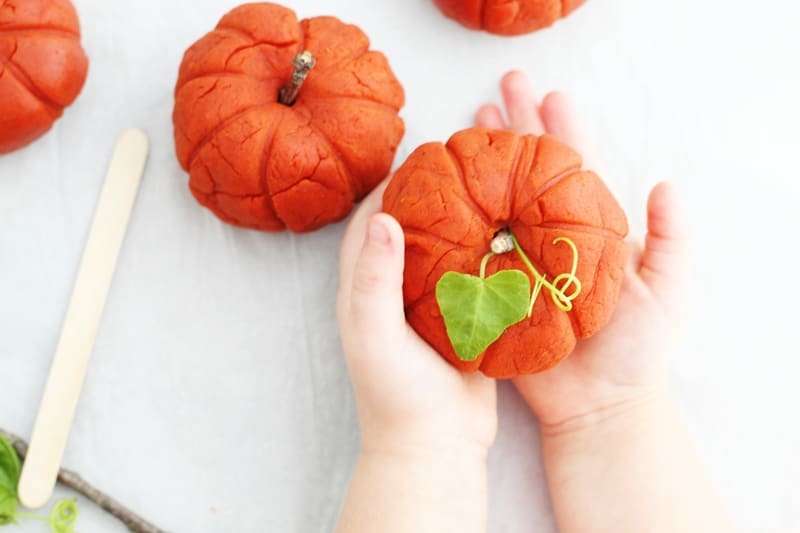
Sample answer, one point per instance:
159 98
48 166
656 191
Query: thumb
376 299
665 260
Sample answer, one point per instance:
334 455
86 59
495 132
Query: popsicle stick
67 372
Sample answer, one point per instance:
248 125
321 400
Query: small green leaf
9 478
8 506
9 466
477 311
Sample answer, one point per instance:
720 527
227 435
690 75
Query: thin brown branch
132 521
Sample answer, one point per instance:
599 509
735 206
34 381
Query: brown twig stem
303 63
134 522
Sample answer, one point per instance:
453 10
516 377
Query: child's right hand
627 360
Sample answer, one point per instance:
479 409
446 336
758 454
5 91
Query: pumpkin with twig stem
283 123
513 252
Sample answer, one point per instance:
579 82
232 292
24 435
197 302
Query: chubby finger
561 120
489 116
665 264
521 104
353 238
376 294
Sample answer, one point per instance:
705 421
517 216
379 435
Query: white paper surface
217 398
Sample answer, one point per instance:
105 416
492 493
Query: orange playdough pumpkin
451 200
42 67
507 17
258 163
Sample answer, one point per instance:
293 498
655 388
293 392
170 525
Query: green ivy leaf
8 506
477 311
9 478
9 466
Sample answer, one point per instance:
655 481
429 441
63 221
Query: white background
217 399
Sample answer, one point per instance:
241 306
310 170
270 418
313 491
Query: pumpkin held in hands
495 203
505 17
42 67
275 138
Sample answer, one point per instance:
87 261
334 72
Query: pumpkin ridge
34 28
226 217
211 197
220 74
342 62
233 168
318 216
426 233
483 14
219 127
455 247
586 229
250 37
334 153
514 364
354 186
8 28
16 72
410 307
590 295
552 182
514 175
208 198
253 41
359 99
433 268
262 168
463 179
250 46
303 180
239 196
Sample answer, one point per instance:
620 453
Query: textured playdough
507 17
258 163
452 199
42 67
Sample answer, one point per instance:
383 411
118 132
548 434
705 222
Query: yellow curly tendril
561 299
63 516
504 242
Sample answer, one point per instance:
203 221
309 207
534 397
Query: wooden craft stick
79 329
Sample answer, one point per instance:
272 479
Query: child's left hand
409 399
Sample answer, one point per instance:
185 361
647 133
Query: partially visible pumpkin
42 67
452 199
258 163
507 17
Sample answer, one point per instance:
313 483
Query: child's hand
409 399
425 428
611 433
627 360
